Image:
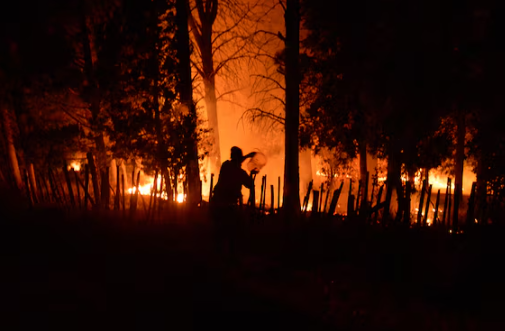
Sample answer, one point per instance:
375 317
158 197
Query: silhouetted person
227 200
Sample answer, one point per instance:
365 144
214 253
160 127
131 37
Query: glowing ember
180 198
75 165
147 189
322 174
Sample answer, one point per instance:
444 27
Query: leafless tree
223 33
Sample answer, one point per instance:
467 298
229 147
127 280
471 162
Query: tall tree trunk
481 190
162 151
33 182
186 96
93 95
211 105
393 181
11 149
363 173
291 162
306 171
202 33
459 158
410 187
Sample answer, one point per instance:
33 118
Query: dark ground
104 273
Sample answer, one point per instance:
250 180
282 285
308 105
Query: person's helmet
236 153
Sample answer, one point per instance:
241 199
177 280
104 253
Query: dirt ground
95 272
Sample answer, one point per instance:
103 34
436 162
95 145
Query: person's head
236 154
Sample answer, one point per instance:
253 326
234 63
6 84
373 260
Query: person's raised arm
248 156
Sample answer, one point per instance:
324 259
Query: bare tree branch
232 27
282 4
257 113
222 95
196 29
271 79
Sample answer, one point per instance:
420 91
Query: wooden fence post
211 187
118 190
315 203
86 186
27 188
446 200
278 193
326 200
69 186
421 203
334 199
152 201
321 194
435 215
307 197
94 178
470 214
427 209
449 208
272 200
123 194
378 202
77 190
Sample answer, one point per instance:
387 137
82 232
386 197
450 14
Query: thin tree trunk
437 204
11 149
93 95
186 96
428 201
393 181
117 197
69 185
94 179
77 192
459 161
470 215
33 182
211 105
86 187
203 37
363 174
291 203
481 188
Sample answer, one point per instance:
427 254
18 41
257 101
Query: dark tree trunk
481 189
185 90
409 189
162 152
94 178
291 163
393 181
363 175
92 95
211 105
459 160
11 149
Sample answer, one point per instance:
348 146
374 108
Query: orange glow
75 165
146 189
180 198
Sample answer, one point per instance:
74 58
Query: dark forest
245 164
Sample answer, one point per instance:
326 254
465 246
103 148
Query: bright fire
180 198
75 165
147 189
